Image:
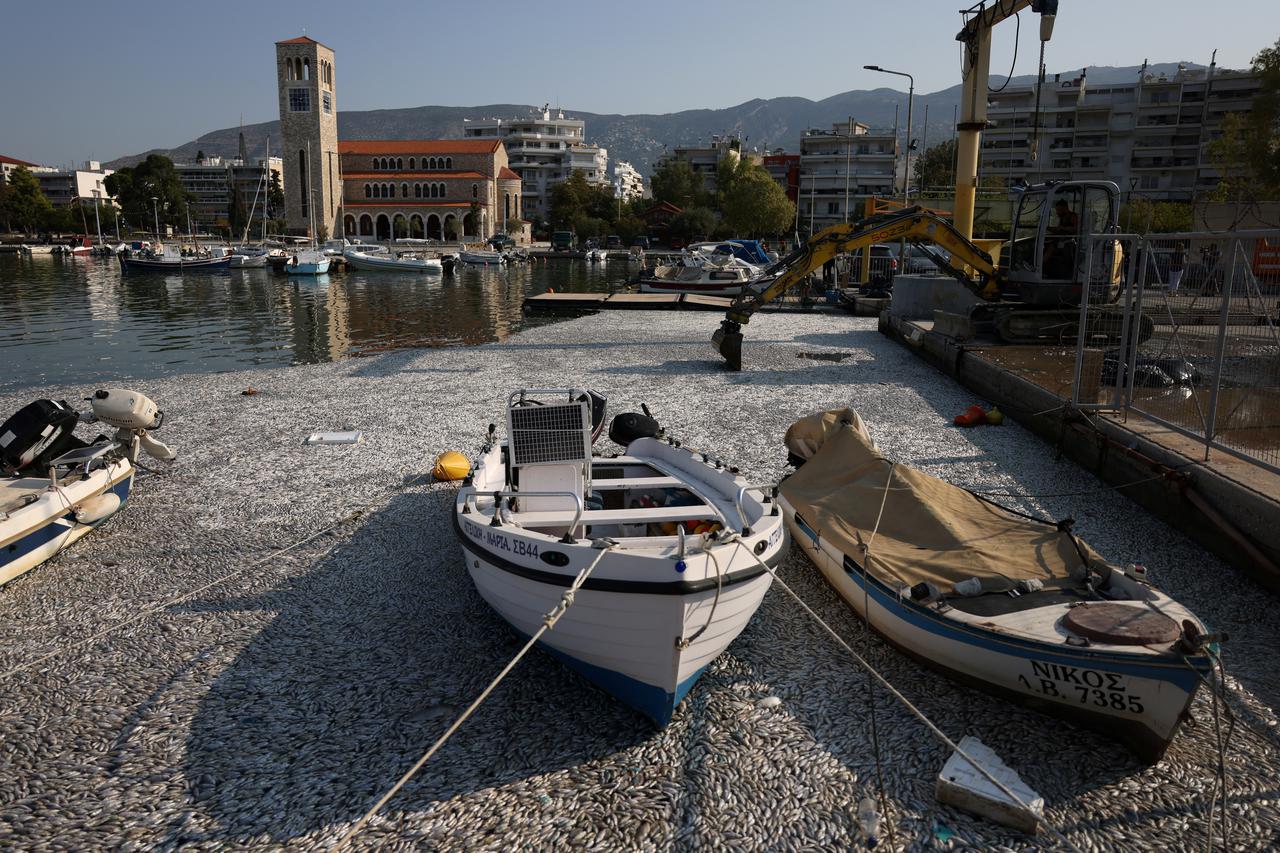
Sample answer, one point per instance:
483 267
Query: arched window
404 191
400 163
448 162
411 166
306 69
349 225
475 191
417 190
432 189
288 69
366 225
506 205
297 69
443 192
367 194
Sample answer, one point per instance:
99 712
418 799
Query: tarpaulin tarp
930 530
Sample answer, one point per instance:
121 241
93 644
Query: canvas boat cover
930 530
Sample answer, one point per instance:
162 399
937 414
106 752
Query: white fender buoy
97 508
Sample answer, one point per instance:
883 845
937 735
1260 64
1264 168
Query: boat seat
639 483
639 515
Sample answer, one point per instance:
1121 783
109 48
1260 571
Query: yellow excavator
1032 292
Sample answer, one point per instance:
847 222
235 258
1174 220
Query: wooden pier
591 303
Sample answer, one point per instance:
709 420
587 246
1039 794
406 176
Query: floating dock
577 304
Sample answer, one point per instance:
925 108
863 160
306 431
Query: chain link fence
1193 341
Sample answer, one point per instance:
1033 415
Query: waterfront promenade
269 711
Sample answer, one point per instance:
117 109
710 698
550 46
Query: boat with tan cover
1014 605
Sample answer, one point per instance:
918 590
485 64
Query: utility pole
848 147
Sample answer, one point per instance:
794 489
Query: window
475 191
442 190
404 191
302 173
399 162
833 208
327 99
417 190
367 192
448 162
411 162
299 101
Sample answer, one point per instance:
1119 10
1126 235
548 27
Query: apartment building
216 184
628 183
704 159
544 149
64 187
839 168
785 169
1150 136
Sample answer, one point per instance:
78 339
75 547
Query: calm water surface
69 320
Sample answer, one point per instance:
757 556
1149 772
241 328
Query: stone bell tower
309 136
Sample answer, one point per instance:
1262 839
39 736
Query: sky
90 83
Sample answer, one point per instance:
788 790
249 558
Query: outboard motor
134 415
628 426
37 433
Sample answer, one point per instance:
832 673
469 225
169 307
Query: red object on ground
972 416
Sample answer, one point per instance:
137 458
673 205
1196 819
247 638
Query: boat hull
375 263
36 532
1138 699
246 262
623 636
192 265
701 289
482 258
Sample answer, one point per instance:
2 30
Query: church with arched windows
383 189
439 189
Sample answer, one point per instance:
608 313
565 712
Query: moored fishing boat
704 279
307 262
157 257
670 541
386 261
481 257
57 488
1015 606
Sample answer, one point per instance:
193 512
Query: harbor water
81 320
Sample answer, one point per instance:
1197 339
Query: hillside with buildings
640 139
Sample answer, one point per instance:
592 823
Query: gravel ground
271 710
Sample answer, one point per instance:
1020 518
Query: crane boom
915 225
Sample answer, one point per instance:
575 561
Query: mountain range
764 124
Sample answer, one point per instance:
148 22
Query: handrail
509 493
574 393
742 493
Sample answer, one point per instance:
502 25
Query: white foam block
347 437
960 784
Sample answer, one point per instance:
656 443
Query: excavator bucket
728 342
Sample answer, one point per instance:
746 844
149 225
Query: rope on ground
1173 469
548 622
155 608
893 691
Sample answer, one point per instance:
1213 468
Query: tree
570 199
676 182
936 166
692 223
755 206
25 204
1144 216
155 177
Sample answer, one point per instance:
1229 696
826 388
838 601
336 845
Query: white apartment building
628 183
704 159
69 186
839 168
1149 136
544 150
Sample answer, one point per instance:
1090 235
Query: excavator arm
968 264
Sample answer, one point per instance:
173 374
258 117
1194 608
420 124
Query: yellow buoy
995 417
451 465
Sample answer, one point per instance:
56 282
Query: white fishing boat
481 257
705 279
597 256
146 256
246 257
680 577
386 261
307 262
39 249
1015 606
58 488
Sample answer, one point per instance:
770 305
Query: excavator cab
1048 260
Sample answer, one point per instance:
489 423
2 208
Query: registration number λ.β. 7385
1101 690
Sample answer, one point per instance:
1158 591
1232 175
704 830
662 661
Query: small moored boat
481 257
307 262
56 488
681 577
386 261
1015 606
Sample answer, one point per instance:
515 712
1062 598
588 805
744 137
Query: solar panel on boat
554 432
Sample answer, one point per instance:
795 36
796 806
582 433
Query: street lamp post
911 96
906 178
97 218
155 211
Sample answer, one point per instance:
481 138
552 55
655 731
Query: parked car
613 241
501 241
562 241
640 242
918 261
884 263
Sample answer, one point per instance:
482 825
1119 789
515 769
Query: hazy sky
82 80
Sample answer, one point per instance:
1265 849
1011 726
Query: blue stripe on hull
51 530
654 702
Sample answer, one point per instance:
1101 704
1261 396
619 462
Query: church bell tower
309 134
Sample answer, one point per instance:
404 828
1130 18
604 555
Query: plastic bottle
869 822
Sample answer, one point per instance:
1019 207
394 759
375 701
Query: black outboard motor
37 433
628 426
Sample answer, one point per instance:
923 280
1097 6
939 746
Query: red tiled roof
15 161
410 202
508 174
302 40
392 175
418 146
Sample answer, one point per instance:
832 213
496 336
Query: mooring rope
155 608
893 691
548 622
